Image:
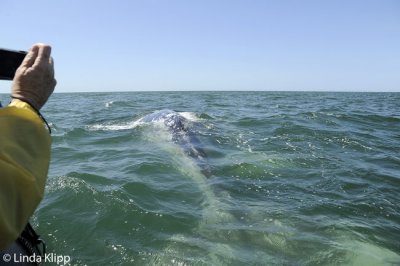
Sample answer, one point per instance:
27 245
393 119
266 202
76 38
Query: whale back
182 135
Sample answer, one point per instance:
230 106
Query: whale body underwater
183 135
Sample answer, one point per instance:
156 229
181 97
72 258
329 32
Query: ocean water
293 178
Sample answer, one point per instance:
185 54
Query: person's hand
34 79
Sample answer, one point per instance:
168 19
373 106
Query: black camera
10 60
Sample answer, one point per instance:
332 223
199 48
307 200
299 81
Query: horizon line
327 91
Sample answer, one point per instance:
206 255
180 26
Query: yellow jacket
24 163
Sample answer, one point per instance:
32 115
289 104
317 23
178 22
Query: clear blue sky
211 44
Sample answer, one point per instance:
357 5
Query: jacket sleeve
24 163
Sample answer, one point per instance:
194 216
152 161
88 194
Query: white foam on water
191 116
115 127
108 104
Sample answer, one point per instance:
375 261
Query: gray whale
182 134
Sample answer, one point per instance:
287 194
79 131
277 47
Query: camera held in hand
10 60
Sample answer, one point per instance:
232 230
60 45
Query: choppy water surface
294 179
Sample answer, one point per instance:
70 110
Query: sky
156 45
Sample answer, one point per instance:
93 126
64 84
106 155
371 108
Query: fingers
30 57
43 56
38 56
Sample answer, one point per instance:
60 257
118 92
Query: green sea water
295 178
